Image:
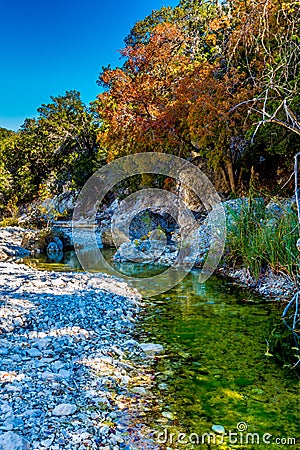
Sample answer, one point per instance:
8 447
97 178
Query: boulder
12 441
128 251
10 243
43 212
108 240
151 349
47 240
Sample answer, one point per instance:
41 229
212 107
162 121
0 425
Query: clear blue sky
50 46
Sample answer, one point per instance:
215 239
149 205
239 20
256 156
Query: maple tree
199 77
135 107
168 98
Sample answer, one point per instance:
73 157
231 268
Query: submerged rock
151 349
219 429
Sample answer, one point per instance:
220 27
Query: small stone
168 415
48 375
151 349
8 425
47 442
163 386
13 422
32 413
12 441
18 321
3 351
64 409
65 374
139 390
43 343
219 429
34 352
104 430
257 391
57 365
125 379
131 343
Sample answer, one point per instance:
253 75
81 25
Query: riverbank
270 285
11 243
274 286
72 375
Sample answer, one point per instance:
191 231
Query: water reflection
55 256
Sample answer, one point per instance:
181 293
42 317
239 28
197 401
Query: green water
218 368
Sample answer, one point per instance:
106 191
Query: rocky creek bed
72 376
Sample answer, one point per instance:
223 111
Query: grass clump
261 237
9 222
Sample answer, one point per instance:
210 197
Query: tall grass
260 238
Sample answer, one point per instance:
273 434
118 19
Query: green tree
6 180
69 130
57 149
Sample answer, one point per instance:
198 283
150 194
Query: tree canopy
216 79
206 76
56 150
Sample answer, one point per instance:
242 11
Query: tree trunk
230 171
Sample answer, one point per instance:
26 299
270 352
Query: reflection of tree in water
71 260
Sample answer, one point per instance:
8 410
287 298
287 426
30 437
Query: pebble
163 386
64 409
219 429
12 441
139 390
47 442
34 353
4 351
168 415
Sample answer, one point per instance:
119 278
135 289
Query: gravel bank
269 284
71 374
10 243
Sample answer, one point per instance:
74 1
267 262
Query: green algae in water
217 371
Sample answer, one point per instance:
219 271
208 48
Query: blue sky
50 46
